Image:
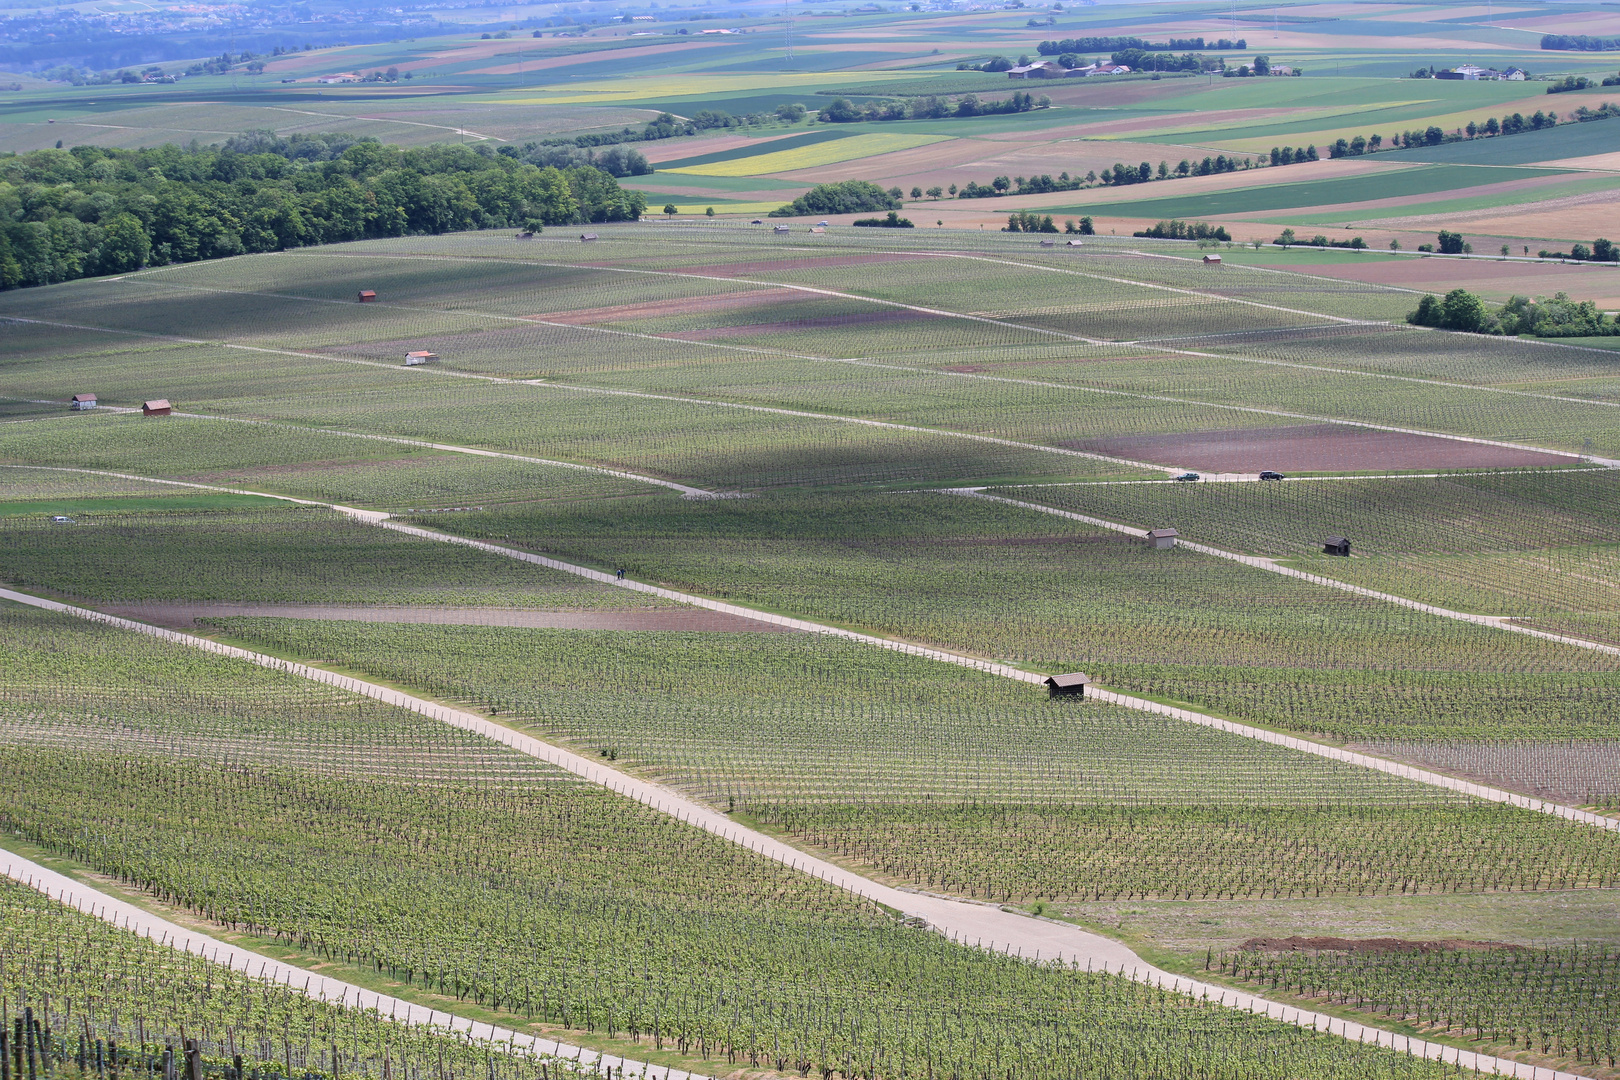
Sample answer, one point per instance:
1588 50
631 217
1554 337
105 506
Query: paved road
980 925
121 913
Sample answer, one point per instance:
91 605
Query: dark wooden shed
1159 539
367 295
156 407
1071 685
1336 545
82 401
586 237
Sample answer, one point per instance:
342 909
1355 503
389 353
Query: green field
1056 595
1568 141
298 555
794 426
585 911
1283 195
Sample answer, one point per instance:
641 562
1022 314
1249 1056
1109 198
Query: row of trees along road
67 214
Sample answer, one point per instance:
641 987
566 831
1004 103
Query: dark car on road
1187 476
1270 475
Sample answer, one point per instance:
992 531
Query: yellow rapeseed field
806 157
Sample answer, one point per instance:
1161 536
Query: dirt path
182 615
121 913
968 923
1422 776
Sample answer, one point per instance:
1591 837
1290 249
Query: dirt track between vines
967 922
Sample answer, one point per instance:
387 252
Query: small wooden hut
156 407
1336 545
1071 685
368 296
1161 539
82 402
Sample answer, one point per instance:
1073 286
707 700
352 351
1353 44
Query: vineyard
1015 853
712 314
109 1003
1525 544
750 719
564 906
987 793
1555 999
1026 587
298 554
585 402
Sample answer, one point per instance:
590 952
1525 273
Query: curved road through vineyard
970 923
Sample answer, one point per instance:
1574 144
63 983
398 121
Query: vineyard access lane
967 922
121 913
1409 772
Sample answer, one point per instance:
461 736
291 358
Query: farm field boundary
381 519
1500 622
960 920
120 913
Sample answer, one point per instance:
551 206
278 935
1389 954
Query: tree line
843 111
67 214
1579 43
1557 317
1434 135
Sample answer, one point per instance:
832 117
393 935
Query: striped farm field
614 91
808 157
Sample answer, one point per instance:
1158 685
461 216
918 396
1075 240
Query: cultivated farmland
794 426
556 904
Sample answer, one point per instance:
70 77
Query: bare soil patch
660 309
1369 945
183 616
1312 448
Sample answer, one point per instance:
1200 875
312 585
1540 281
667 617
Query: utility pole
787 9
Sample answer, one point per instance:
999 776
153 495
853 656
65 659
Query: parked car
1187 476
1267 474
757 221
821 224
